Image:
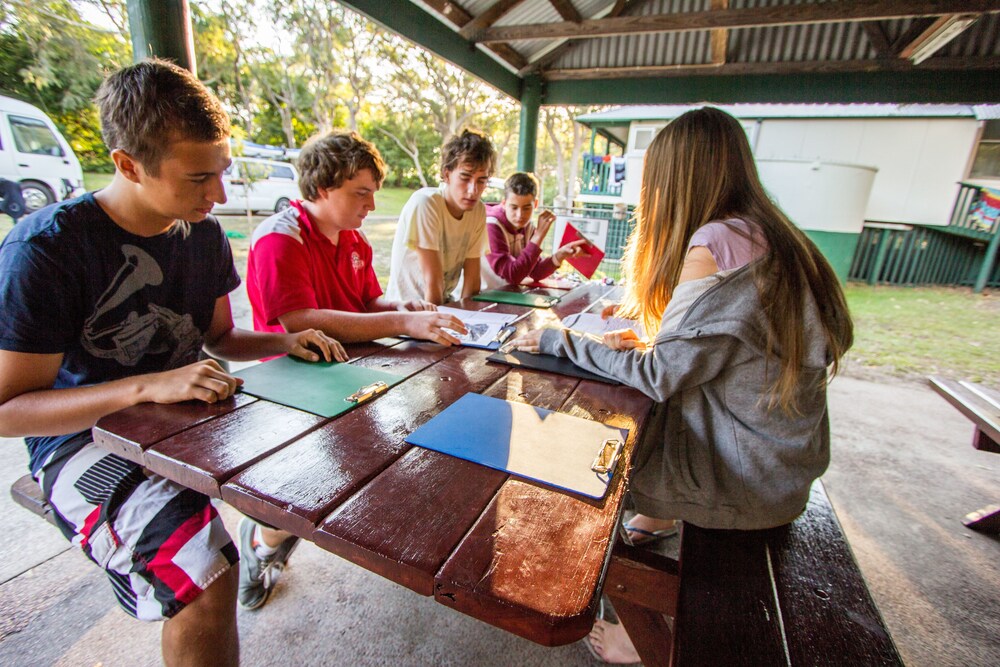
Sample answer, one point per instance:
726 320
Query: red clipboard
588 263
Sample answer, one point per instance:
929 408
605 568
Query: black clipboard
547 363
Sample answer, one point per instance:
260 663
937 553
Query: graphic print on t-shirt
115 332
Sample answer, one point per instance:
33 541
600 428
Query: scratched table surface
519 555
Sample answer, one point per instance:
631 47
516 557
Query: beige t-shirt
426 223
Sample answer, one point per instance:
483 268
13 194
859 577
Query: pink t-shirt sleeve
733 243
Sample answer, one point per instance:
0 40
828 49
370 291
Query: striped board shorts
160 544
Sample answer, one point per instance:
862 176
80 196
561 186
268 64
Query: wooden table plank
407 521
203 457
299 485
148 423
512 569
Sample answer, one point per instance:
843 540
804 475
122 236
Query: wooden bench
982 406
26 493
788 596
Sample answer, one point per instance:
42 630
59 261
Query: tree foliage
284 70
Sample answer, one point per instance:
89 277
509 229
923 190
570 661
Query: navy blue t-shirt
112 303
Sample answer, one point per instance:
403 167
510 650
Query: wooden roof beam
801 67
551 55
755 17
877 38
489 17
720 36
566 10
460 18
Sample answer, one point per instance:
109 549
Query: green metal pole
880 253
531 101
162 28
991 255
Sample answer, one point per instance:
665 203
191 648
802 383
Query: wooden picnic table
521 556
981 405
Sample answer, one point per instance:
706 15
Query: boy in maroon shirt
515 243
310 266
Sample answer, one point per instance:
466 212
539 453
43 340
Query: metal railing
962 253
596 177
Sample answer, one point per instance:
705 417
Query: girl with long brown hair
744 317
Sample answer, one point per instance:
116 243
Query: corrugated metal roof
670 111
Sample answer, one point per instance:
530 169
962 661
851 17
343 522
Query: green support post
988 259
880 253
162 28
531 101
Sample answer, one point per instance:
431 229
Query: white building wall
919 160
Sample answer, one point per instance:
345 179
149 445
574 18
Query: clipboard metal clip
607 457
367 392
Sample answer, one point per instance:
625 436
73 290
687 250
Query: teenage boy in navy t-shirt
310 266
107 301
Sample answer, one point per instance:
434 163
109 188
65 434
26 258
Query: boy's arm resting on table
433 273
29 406
225 341
357 327
470 277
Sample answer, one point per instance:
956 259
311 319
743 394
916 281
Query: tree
51 58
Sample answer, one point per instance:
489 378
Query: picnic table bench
521 556
982 406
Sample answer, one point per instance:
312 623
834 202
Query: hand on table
434 326
609 311
203 381
529 342
624 339
314 345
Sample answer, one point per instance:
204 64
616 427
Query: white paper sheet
593 324
483 326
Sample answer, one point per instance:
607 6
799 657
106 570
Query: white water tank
820 196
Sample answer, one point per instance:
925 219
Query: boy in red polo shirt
311 267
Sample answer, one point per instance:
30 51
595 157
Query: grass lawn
915 332
389 201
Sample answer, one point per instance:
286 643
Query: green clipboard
324 388
517 298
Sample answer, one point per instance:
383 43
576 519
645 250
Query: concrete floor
903 474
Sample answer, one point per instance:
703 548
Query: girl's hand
528 342
314 345
624 339
609 311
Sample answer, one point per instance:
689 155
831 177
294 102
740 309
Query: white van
258 184
34 154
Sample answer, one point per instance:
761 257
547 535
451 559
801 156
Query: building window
986 164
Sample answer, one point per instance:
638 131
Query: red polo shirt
292 266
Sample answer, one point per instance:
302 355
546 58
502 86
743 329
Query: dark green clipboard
324 388
517 298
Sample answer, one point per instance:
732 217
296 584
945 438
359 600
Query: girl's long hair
699 168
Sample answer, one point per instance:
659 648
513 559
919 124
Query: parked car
258 185
34 154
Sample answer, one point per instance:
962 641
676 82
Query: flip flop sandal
645 536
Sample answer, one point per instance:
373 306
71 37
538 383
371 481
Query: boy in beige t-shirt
442 231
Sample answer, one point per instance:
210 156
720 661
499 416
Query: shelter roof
627 114
682 51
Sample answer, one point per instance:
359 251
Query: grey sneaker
258 575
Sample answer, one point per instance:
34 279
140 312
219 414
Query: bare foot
642 529
611 643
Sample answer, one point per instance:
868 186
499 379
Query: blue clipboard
560 450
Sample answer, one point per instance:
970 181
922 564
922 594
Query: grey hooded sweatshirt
712 454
